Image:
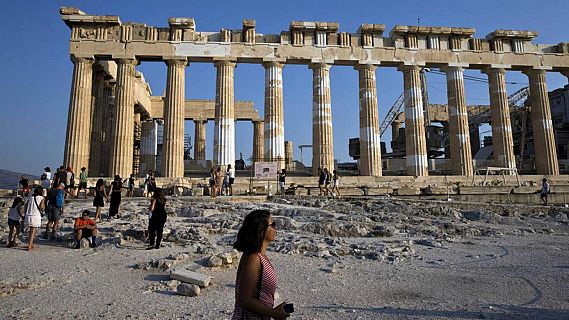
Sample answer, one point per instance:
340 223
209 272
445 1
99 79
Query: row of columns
269 144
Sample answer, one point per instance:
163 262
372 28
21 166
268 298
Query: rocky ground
348 258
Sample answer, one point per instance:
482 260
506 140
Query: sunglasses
273 225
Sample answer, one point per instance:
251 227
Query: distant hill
10 179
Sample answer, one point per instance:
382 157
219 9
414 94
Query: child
14 216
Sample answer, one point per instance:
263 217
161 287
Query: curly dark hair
250 236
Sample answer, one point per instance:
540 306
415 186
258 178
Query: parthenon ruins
103 114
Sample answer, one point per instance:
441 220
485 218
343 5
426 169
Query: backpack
43 176
60 199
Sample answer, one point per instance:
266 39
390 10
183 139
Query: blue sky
36 69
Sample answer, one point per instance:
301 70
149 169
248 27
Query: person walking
15 215
116 189
212 182
231 172
24 185
335 183
544 191
99 200
256 280
157 220
82 182
70 185
54 209
130 186
282 179
34 209
218 181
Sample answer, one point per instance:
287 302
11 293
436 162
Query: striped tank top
264 292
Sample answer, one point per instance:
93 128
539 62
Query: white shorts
281 185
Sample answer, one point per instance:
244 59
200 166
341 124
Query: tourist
85 227
146 183
47 173
34 209
157 219
256 280
70 185
99 200
328 179
130 186
282 179
152 185
231 172
45 181
544 191
116 189
15 215
225 183
212 182
335 185
322 181
54 209
60 176
24 185
218 181
82 182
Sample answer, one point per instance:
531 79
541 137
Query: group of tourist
29 214
220 182
325 178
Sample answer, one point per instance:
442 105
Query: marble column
97 123
370 144
289 161
258 139
199 142
460 149
502 139
148 146
173 142
415 143
78 137
224 133
123 130
107 136
322 137
274 120
543 139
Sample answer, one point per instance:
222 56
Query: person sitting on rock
84 228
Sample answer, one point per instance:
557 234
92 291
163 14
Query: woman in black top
116 187
157 220
99 201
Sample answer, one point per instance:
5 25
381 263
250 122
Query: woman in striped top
256 279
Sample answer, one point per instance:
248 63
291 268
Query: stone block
189 290
191 277
485 190
408 191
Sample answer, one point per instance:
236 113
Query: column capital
273 63
225 63
366 66
76 59
410 67
133 62
176 61
493 70
535 71
319 65
450 68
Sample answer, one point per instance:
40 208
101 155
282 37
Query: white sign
266 169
